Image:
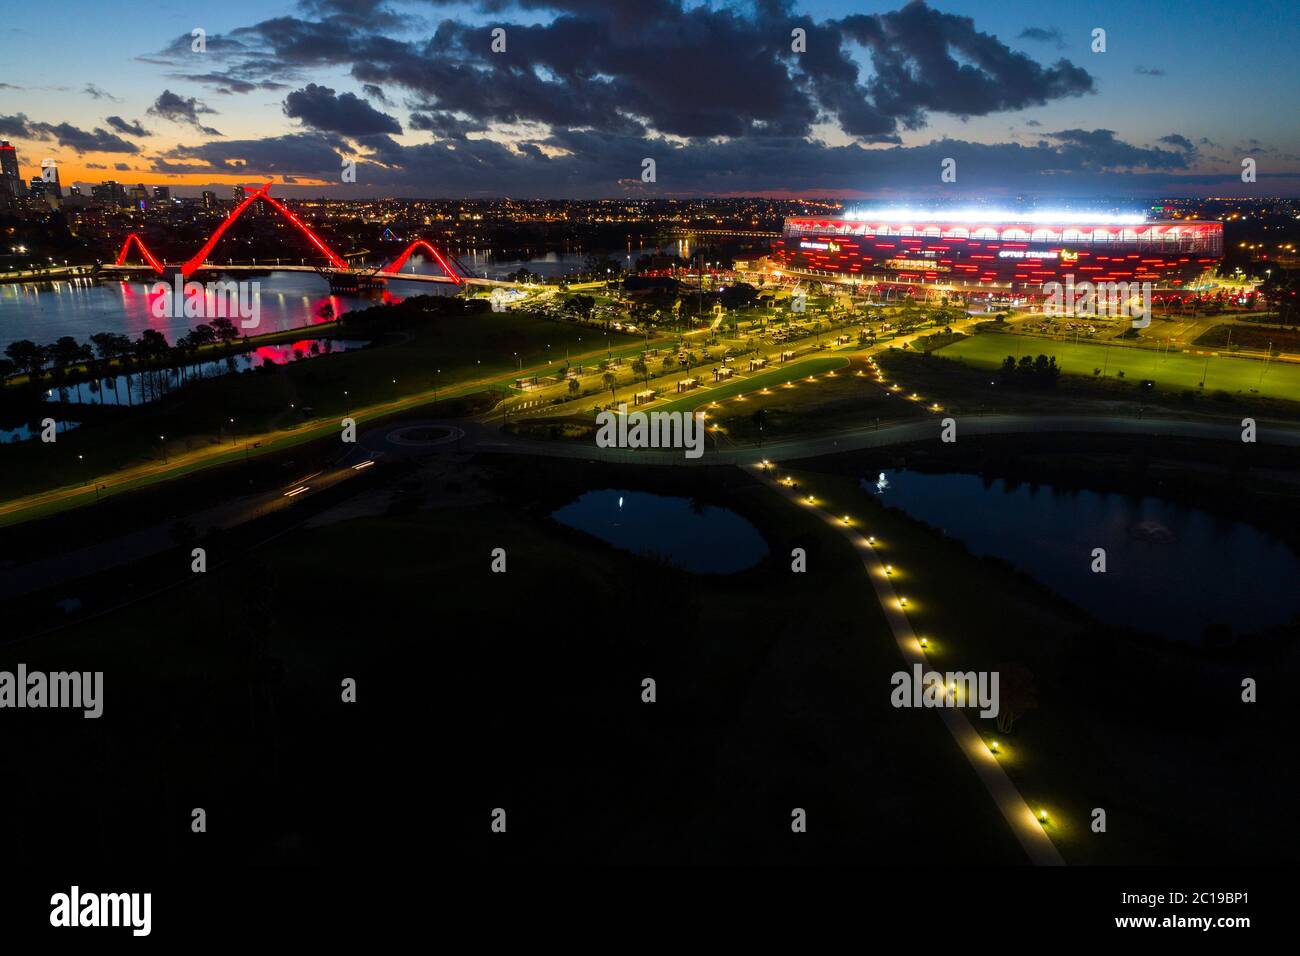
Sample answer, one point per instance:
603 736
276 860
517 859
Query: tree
738 296
28 356
65 351
640 368
225 330
611 383
110 346
574 387
1046 371
580 306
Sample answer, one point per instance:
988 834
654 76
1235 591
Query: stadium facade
1002 251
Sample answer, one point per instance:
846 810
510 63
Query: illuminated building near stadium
1005 250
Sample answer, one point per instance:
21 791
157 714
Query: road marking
294 492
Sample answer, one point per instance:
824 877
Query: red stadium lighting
1002 249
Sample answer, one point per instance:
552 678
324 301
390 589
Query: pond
27 432
1171 570
139 388
698 537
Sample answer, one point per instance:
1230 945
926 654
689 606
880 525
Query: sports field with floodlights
1169 370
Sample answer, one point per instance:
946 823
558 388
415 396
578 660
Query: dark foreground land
522 691
478 690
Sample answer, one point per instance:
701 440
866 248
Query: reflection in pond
27 432
1170 570
139 388
695 536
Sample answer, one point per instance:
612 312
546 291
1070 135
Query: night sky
587 89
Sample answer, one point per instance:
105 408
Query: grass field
458 354
772 695
1172 774
1173 371
776 376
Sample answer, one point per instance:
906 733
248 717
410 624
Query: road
855 439
178 465
154 539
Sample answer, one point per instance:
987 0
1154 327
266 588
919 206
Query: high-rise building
209 199
11 181
138 195
109 191
162 193
53 189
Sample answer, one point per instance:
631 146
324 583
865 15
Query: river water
43 312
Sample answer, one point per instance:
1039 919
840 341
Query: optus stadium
996 250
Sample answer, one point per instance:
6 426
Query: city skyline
578 100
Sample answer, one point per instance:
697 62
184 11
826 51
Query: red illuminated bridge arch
200 257
148 256
396 264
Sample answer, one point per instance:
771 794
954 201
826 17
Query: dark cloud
445 125
588 88
98 140
655 67
368 13
122 126
1178 141
925 60
1100 149
16 127
345 113
227 83
1050 35
182 109
303 155
596 163
122 167
95 92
